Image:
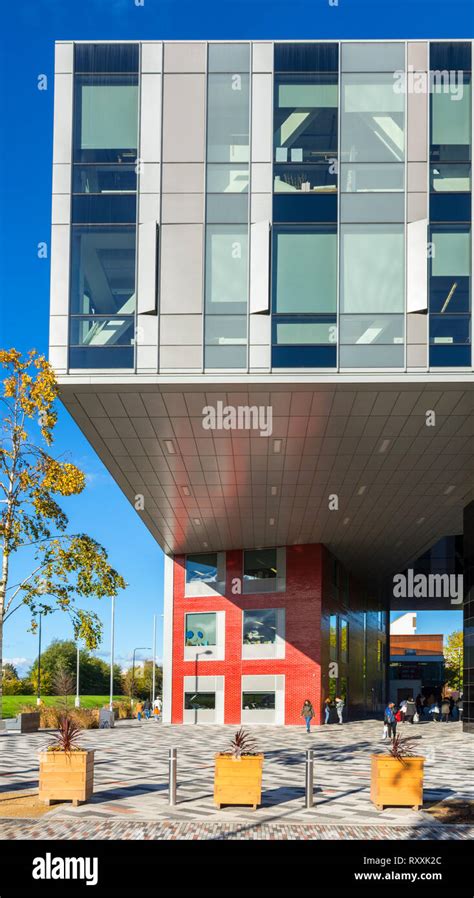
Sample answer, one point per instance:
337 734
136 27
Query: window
201 629
450 118
199 701
306 57
373 118
105 118
105 178
343 640
369 329
381 620
450 279
260 564
260 627
372 177
372 57
380 654
372 268
305 118
258 701
201 568
228 118
229 57
106 58
317 178
333 637
226 341
304 270
452 178
226 269
305 331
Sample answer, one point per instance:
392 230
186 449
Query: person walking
307 712
327 709
389 720
139 710
445 709
339 708
410 710
434 712
157 704
419 705
403 710
147 708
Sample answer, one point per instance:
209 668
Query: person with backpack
307 712
390 721
339 708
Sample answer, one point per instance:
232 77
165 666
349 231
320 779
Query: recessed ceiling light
361 490
277 445
186 491
384 446
169 447
205 545
420 520
346 520
274 490
271 522
449 490
197 521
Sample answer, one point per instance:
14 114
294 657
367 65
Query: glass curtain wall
304 255
450 205
227 205
104 183
372 206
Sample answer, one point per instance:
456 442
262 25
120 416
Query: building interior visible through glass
201 629
201 568
260 627
260 564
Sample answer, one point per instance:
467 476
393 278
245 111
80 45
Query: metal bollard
172 771
309 778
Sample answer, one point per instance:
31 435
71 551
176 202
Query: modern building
416 660
261 319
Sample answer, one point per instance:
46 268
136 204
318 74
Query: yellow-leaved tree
453 656
66 567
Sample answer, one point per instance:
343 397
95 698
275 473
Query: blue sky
29 29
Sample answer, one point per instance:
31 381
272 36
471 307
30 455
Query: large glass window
333 637
451 117
105 118
103 270
199 701
372 269
228 118
201 568
200 629
305 118
450 279
260 564
373 119
260 627
258 701
304 270
226 341
343 640
226 269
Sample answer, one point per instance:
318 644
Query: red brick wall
301 665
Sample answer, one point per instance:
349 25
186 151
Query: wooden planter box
238 782
66 776
393 783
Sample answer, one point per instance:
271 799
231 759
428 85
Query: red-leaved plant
242 744
400 749
67 737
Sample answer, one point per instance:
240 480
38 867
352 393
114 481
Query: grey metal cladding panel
417 56
181 288
262 118
184 118
152 56
63 57
185 57
62 139
183 178
150 118
417 127
183 208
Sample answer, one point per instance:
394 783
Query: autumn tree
453 656
67 567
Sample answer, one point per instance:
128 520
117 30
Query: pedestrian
339 708
403 710
419 705
139 710
307 712
156 712
459 706
147 709
389 720
157 704
410 710
434 712
327 709
445 711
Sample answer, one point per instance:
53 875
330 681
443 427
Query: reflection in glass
104 208
229 57
372 177
201 568
103 270
260 564
451 120
305 269
449 329
227 178
333 637
226 269
372 268
260 627
369 329
228 118
106 58
102 331
105 118
343 640
307 331
258 701
199 701
305 118
373 119
200 629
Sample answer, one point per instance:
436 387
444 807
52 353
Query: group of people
422 708
307 711
148 709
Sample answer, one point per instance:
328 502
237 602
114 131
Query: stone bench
24 723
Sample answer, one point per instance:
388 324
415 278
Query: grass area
12 704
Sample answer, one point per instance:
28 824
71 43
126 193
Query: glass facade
260 627
200 629
450 256
103 208
201 568
260 564
227 206
304 265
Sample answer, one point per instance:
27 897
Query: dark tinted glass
260 564
450 356
450 207
201 568
113 357
304 208
304 178
199 701
104 209
258 701
105 118
306 57
104 179
450 55
103 270
106 58
304 357
450 329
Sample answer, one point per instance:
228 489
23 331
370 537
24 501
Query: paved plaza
131 791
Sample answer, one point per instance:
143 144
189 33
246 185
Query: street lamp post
205 652
154 659
112 635
78 695
38 694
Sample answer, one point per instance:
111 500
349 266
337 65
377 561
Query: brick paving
131 783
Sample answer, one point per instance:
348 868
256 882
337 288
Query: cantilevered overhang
399 477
